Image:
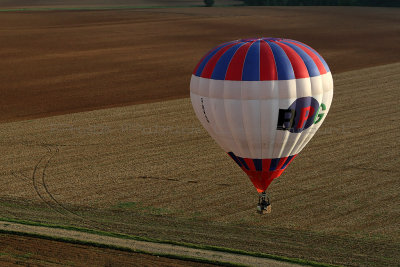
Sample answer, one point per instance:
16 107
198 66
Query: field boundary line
120 248
204 248
94 8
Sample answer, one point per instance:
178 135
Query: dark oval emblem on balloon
299 116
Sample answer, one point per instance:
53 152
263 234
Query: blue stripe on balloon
222 65
243 163
283 64
258 164
323 61
274 164
287 162
233 156
251 67
205 61
310 64
315 52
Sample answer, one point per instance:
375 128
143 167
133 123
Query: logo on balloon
301 114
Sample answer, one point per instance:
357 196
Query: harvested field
152 170
69 61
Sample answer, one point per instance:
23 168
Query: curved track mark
43 183
36 186
53 202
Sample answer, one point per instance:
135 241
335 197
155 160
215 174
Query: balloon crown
270 39
261 59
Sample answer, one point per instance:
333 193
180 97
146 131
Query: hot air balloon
262 100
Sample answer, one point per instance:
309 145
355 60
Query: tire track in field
39 182
42 182
35 184
41 188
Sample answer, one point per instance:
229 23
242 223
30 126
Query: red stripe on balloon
204 57
281 162
250 164
267 63
275 174
313 56
299 68
235 68
209 68
291 160
266 163
198 64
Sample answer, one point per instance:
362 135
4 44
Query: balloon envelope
262 100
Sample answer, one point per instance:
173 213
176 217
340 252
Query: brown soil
29 251
152 170
69 61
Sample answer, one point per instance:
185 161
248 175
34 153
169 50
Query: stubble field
150 169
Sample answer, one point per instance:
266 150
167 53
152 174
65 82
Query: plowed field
69 61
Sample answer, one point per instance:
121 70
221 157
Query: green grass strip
184 244
100 245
